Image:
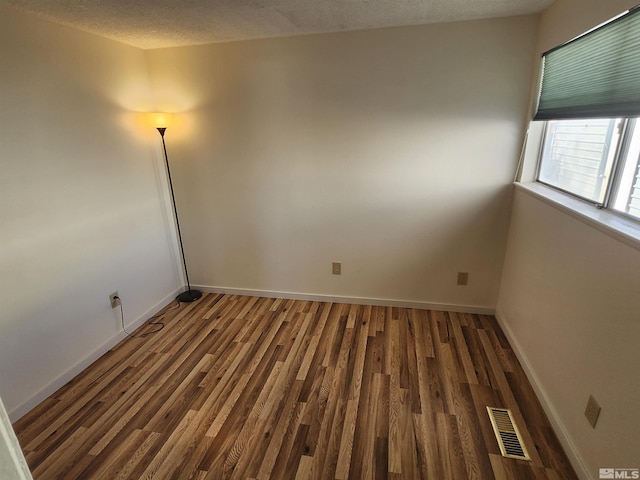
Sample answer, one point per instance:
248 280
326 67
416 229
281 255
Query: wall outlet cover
114 298
592 411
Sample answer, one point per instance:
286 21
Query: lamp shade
160 120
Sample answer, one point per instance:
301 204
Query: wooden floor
247 387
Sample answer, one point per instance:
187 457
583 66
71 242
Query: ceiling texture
171 23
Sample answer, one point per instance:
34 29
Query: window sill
620 228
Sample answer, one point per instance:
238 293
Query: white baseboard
59 382
385 302
570 448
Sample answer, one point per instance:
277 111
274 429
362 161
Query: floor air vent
507 434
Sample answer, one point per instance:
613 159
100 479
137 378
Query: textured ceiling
171 23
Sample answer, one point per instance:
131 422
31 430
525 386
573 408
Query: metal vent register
507 434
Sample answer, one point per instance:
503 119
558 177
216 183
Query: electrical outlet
114 298
336 268
593 411
463 278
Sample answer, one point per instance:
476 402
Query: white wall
13 465
82 205
390 150
569 301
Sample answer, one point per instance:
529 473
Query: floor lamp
161 121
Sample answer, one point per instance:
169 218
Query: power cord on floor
118 301
148 322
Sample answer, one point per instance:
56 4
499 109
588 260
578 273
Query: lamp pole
191 294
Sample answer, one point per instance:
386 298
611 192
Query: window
596 159
589 96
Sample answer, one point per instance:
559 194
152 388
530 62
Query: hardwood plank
475 453
362 459
164 460
395 459
291 414
247 441
133 459
67 450
291 456
335 333
315 406
310 354
382 422
412 364
451 456
408 457
348 432
462 350
428 457
346 441
498 469
382 458
319 423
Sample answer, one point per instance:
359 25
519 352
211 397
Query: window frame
613 183
616 178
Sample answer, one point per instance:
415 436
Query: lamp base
189 296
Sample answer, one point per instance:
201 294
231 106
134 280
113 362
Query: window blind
596 75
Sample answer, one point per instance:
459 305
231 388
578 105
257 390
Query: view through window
594 159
